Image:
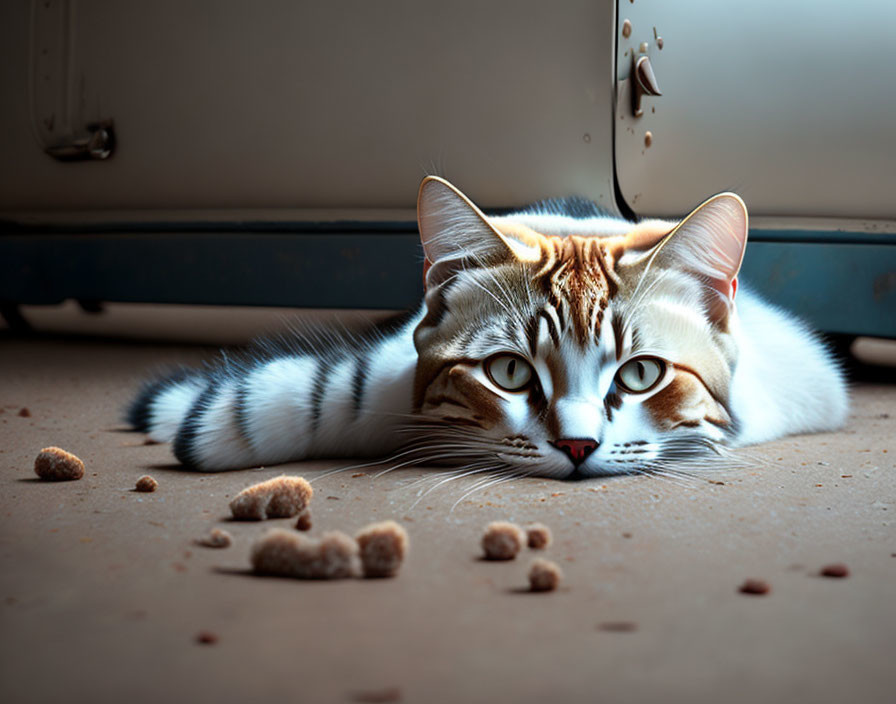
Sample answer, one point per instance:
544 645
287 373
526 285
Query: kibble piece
25 413
378 696
538 536
146 483
618 626
502 540
206 638
217 538
383 548
280 497
304 522
755 586
838 571
286 553
57 465
544 575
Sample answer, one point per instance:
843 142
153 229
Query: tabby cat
555 341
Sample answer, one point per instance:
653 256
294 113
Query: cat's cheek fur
685 401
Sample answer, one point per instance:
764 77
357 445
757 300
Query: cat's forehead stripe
576 276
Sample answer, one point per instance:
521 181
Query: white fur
785 382
168 409
278 407
218 441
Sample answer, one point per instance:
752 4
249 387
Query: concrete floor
103 591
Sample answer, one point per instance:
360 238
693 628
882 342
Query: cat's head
603 353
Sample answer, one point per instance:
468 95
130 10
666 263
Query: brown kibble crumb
217 538
57 465
378 696
25 413
755 586
538 536
383 548
286 553
206 638
618 626
502 540
304 522
544 575
838 570
146 484
280 497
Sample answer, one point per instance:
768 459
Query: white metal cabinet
791 104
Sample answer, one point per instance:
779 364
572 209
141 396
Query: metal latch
97 143
64 126
643 82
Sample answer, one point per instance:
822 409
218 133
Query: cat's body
548 343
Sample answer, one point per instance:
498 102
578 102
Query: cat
555 341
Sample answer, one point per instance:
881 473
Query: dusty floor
103 591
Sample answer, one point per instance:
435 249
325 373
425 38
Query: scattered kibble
544 575
755 587
280 497
538 536
57 465
206 638
25 413
304 522
286 553
146 484
217 538
838 571
503 540
383 548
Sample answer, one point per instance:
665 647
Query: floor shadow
250 573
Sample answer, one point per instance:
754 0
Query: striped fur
574 299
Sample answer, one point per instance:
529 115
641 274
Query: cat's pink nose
577 449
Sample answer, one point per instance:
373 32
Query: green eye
640 374
509 372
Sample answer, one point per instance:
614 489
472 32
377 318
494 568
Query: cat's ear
710 242
454 232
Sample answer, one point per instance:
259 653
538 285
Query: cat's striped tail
163 403
328 397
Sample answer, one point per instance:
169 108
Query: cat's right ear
455 232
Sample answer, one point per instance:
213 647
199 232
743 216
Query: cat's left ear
710 242
454 233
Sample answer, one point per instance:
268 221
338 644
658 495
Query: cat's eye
509 372
640 374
